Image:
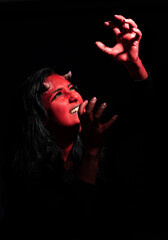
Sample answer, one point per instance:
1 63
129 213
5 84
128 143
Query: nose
73 96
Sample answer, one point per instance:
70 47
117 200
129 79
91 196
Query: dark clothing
68 208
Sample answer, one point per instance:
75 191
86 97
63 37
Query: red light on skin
61 101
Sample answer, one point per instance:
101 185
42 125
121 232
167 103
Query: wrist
91 153
136 69
88 168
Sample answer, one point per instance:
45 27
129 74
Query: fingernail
97 42
86 101
106 23
104 105
94 99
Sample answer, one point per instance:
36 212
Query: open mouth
74 110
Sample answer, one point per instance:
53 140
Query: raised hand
93 131
92 135
127 40
126 49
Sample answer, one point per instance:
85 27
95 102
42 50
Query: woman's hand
126 49
92 133
128 38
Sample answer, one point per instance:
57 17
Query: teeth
74 110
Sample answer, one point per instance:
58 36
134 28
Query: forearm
88 168
136 69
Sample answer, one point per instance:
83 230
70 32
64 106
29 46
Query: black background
45 33
35 34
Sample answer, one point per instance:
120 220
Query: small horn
68 75
47 85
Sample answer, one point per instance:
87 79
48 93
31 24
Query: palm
125 50
92 131
127 46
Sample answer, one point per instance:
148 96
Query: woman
59 156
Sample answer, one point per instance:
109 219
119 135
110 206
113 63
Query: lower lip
74 113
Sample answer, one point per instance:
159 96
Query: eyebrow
58 89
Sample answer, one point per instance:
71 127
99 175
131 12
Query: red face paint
61 102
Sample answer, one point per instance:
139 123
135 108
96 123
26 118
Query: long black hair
34 147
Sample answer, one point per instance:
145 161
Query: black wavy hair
34 148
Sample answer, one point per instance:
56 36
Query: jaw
60 132
80 128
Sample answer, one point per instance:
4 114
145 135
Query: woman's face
61 101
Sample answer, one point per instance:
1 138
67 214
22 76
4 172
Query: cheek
80 99
58 112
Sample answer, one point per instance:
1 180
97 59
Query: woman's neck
65 139
66 150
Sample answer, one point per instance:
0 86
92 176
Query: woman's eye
57 95
74 87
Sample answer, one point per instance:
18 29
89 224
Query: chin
72 124
78 128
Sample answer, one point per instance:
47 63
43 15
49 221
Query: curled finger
120 18
138 34
100 111
103 47
114 27
82 108
131 23
91 105
126 27
108 124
